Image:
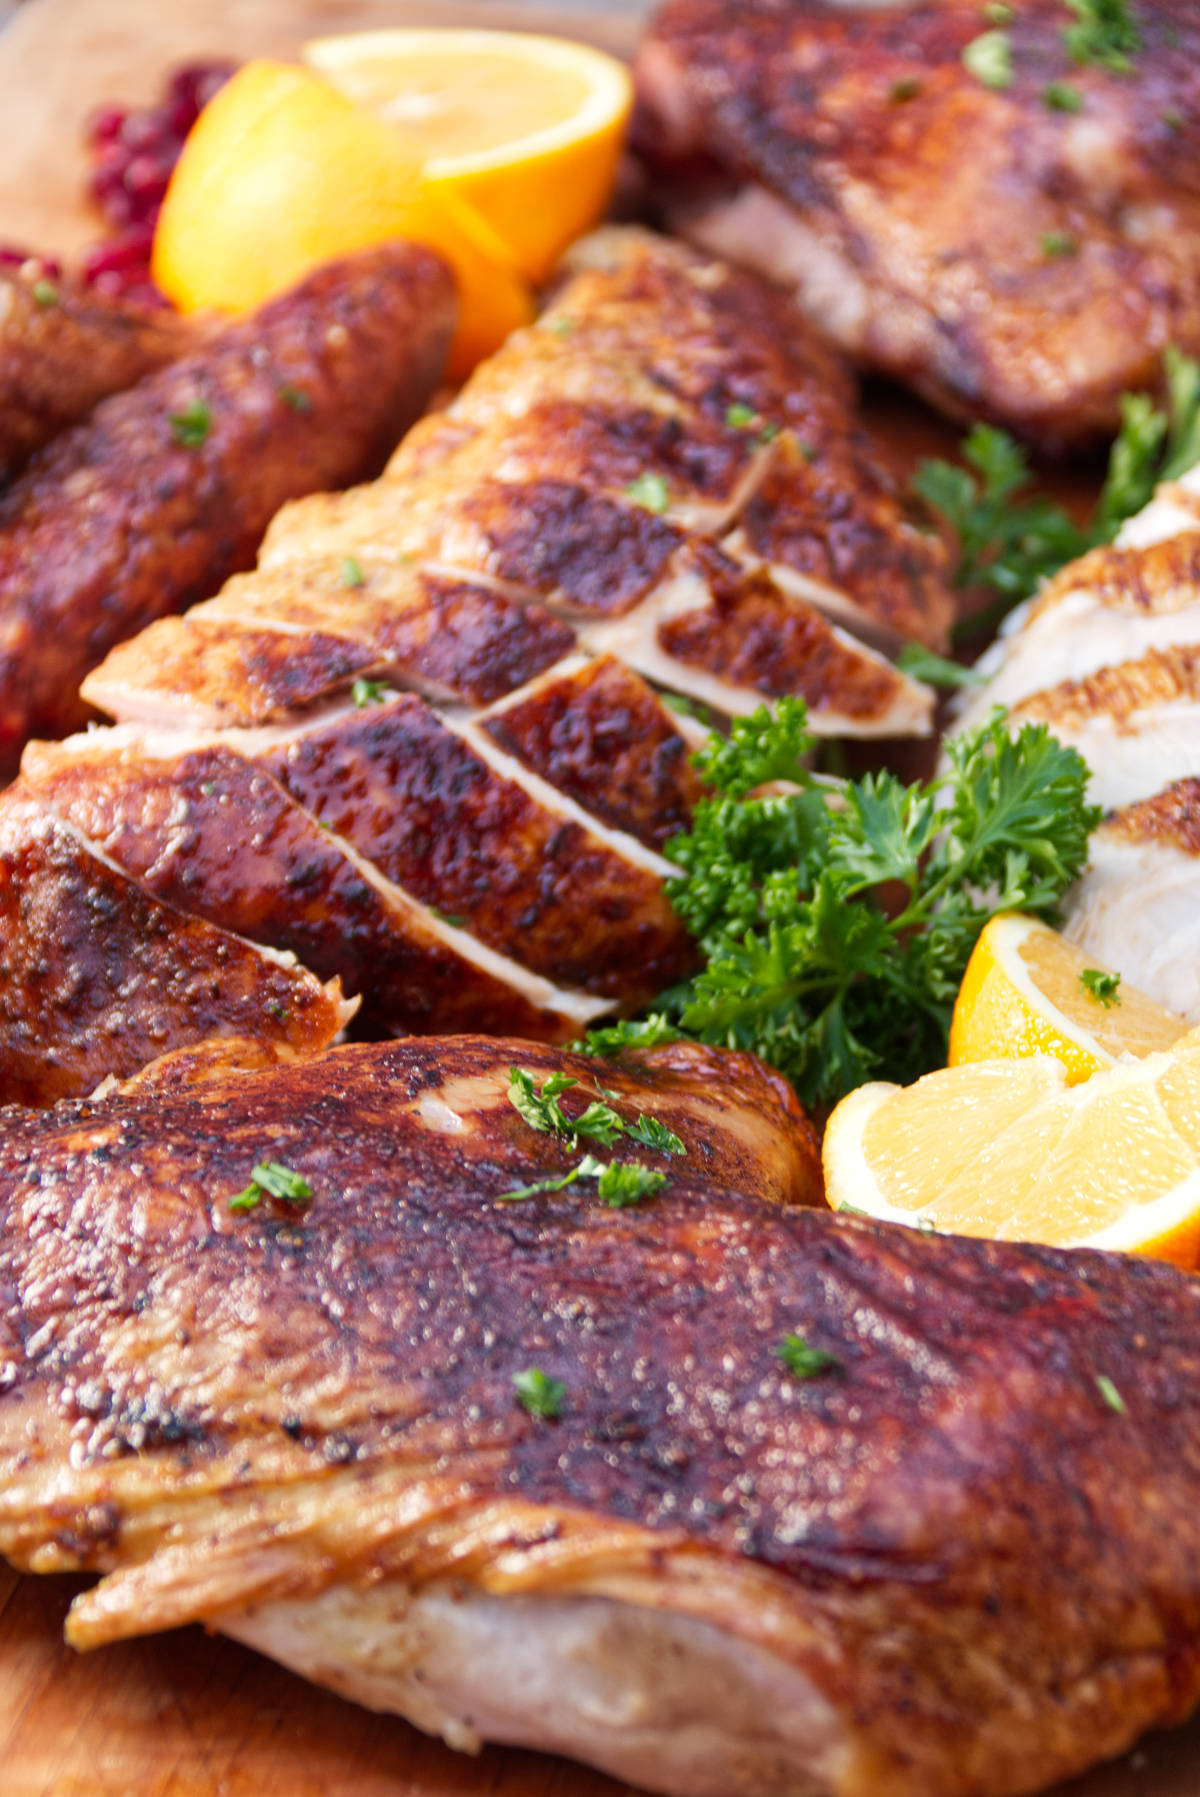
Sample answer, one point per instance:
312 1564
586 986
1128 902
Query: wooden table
186 1714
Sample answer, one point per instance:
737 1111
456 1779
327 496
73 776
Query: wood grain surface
188 1714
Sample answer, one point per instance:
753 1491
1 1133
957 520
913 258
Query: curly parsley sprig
1010 540
836 919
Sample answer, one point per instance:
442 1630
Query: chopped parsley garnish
1101 986
907 88
1172 120
771 430
1011 542
619 1183
624 1183
1111 1395
540 1395
998 12
191 426
741 417
46 293
650 491
562 326
352 573
370 692
653 1134
1060 96
809 960
588 1168
541 1110
1104 33
274 1179
599 1121
297 398
989 58
1059 243
803 1362
922 664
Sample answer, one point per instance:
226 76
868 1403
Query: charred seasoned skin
418 746
168 488
217 836
824 144
62 349
944 1567
97 976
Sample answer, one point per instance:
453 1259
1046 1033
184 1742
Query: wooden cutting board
187 1714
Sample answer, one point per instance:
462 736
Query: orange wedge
1027 990
281 173
1008 1149
526 129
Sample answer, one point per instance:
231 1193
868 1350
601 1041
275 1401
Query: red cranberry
105 124
194 85
142 131
130 250
146 180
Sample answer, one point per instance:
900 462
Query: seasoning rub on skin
717 1491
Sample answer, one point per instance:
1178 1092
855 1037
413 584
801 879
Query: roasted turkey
63 348
1108 656
548 1471
166 489
1012 225
421 746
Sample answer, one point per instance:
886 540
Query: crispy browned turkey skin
150 504
98 976
944 1567
1013 254
62 349
422 746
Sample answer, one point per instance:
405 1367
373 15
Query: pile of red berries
133 152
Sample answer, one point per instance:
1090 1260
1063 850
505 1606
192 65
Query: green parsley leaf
624 1183
46 293
653 1134
907 88
191 426
1059 243
273 1178
296 397
1101 986
803 1362
1011 542
352 573
989 59
771 430
809 958
543 1112
741 417
1105 33
1060 96
588 1168
651 491
540 1395
750 757
370 692
998 12
1111 1395
922 664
